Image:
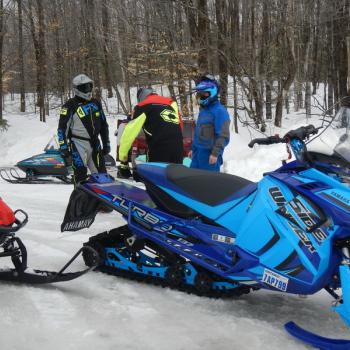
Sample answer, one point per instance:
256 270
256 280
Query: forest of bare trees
267 54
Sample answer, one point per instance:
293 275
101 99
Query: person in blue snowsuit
212 132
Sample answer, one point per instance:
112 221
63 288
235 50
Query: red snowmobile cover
7 217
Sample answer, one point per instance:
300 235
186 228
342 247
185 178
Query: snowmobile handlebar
17 224
266 141
302 133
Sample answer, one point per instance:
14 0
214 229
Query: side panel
287 234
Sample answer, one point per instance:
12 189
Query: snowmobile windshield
52 145
342 126
335 138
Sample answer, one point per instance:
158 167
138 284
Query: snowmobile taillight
7 217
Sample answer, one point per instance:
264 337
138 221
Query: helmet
82 86
209 77
143 92
207 92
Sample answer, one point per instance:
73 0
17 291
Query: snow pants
166 152
85 156
200 160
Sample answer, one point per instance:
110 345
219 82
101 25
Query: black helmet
143 92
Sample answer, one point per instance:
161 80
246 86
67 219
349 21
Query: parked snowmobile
289 232
47 167
12 247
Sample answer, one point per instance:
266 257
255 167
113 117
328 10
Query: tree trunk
106 62
315 65
265 58
122 57
340 50
59 66
2 14
203 33
235 105
287 82
21 58
191 100
268 99
221 20
39 49
41 61
307 67
348 52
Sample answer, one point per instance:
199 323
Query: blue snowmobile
221 235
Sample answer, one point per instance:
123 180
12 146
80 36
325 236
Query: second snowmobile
47 167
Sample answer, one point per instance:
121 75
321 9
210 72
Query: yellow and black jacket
160 120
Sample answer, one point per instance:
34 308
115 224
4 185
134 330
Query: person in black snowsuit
81 123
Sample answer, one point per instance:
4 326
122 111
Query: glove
64 153
124 170
106 149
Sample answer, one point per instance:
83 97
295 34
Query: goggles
85 88
202 95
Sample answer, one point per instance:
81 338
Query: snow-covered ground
98 311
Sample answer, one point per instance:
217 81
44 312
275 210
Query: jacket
83 120
160 120
212 129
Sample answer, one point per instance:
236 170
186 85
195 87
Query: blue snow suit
211 136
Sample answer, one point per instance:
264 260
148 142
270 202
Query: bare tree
265 46
20 57
2 33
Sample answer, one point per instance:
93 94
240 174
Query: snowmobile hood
49 163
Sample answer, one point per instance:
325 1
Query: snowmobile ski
12 247
34 276
316 340
12 175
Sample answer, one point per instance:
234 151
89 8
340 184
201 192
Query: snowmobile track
203 281
151 280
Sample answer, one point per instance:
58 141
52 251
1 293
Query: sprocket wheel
92 259
174 276
203 283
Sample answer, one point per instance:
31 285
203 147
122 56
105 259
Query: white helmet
82 86
144 92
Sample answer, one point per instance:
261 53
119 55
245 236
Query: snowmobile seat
166 202
206 187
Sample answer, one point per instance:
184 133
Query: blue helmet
207 92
